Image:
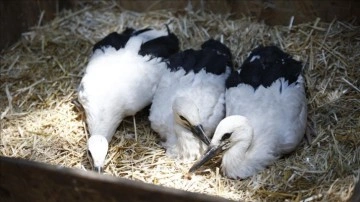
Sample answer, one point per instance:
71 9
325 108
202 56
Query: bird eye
226 136
183 118
185 121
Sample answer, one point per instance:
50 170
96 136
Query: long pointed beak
210 153
198 131
98 169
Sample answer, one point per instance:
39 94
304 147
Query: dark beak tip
199 132
98 169
207 141
209 154
192 170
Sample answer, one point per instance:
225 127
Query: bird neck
189 147
236 156
241 148
106 129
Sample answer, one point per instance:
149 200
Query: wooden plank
356 193
279 12
18 16
272 12
23 180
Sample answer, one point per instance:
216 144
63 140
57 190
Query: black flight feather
213 58
163 46
114 40
264 66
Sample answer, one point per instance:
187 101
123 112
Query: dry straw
40 120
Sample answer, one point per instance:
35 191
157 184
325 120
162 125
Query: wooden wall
18 15
23 180
271 11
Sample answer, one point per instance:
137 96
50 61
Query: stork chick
120 80
266 113
189 101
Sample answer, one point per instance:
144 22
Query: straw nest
40 120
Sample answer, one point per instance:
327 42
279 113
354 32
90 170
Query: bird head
103 109
97 150
230 131
186 115
100 95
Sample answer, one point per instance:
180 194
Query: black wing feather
163 47
214 57
185 60
264 66
114 40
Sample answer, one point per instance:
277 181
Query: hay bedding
40 120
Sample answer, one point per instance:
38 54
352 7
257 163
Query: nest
41 121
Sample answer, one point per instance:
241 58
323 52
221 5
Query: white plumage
119 82
189 100
266 113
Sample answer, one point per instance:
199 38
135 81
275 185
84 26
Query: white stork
266 111
120 80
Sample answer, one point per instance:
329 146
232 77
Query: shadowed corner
356 193
5 195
